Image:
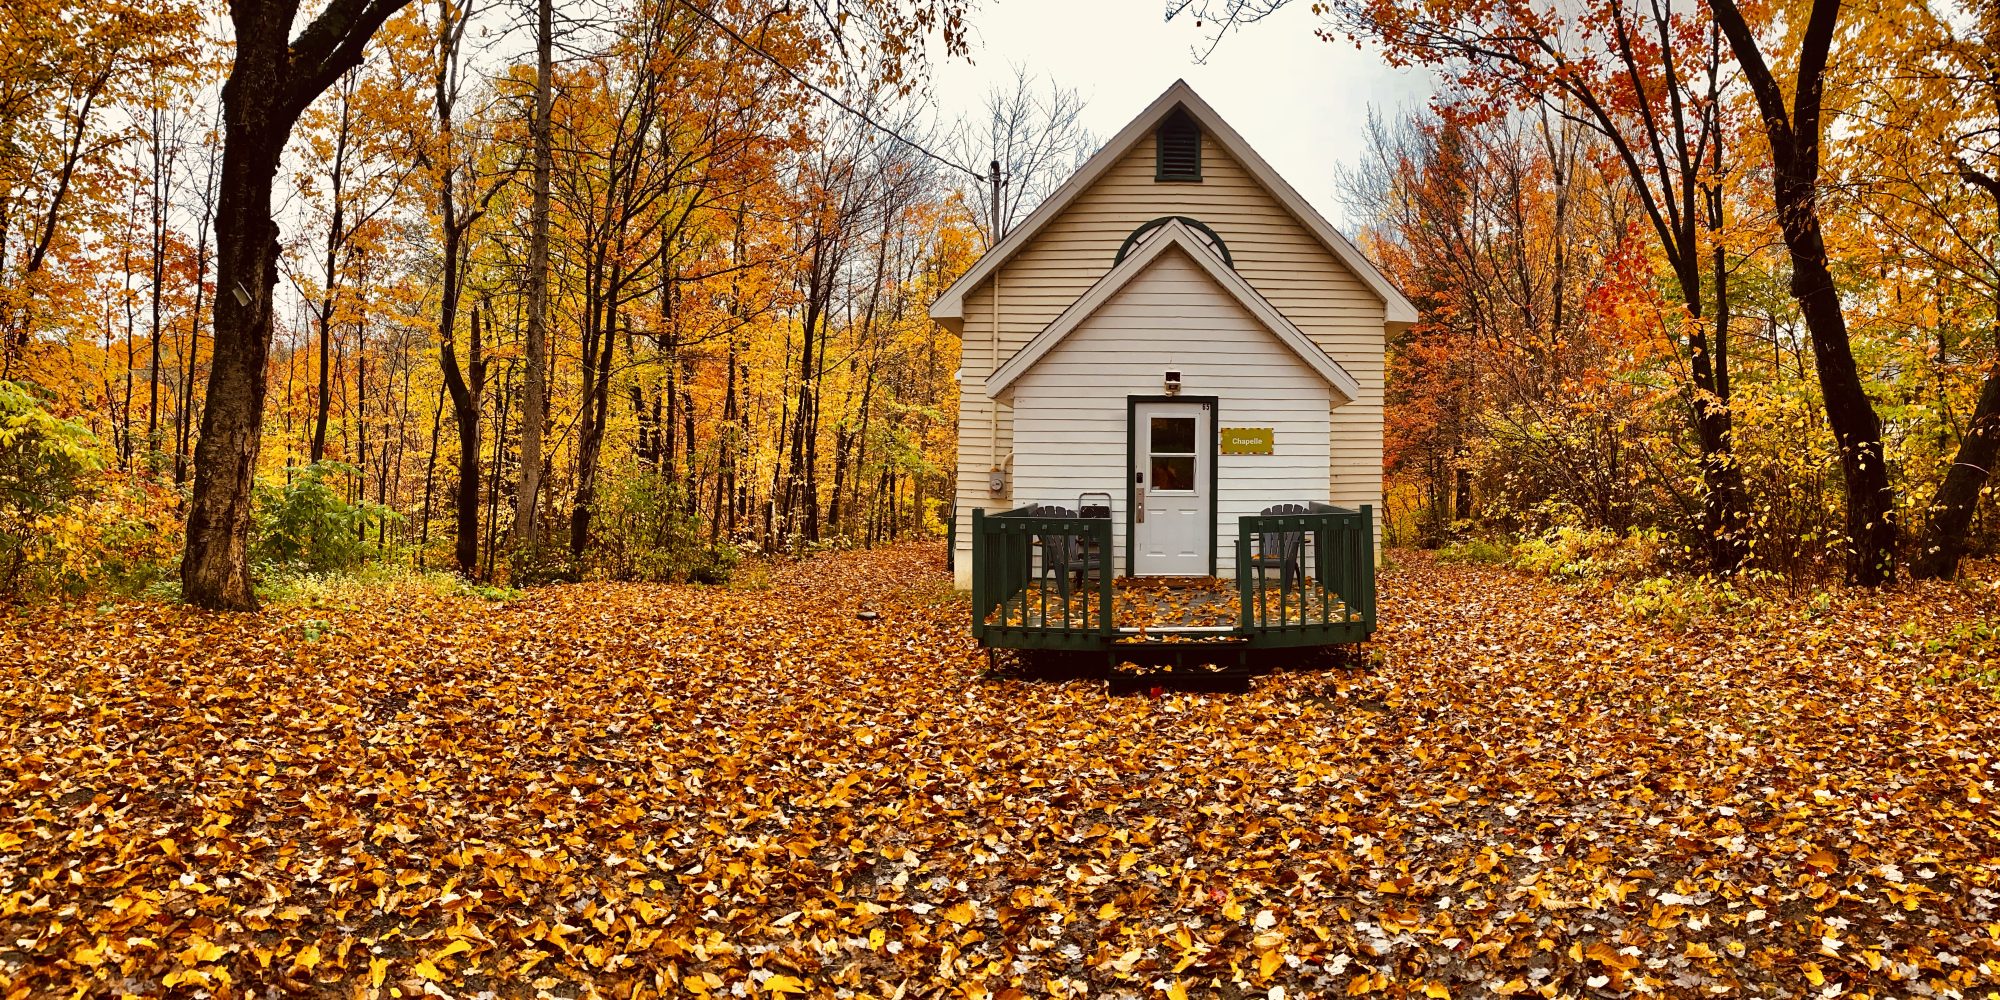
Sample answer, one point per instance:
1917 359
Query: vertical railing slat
1367 563
1106 600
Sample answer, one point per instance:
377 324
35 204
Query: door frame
1214 477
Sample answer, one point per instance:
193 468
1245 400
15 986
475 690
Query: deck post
1243 574
1105 610
980 562
1367 567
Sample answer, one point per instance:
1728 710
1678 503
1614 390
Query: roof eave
1173 234
1396 307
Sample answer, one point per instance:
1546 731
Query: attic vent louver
1179 148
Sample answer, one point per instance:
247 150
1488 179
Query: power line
824 93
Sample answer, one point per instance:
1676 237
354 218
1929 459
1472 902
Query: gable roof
1397 309
1174 234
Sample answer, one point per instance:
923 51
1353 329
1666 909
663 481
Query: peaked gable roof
1174 234
1397 309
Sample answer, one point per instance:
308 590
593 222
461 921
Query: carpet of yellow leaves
627 790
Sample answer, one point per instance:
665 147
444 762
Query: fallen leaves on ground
629 790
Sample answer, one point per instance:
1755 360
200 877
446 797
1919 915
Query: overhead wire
801 80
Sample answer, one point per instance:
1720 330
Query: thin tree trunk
161 177
430 476
191 361
330 290
493 481
534 407
590 435
465 407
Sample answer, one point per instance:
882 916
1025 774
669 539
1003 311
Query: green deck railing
1041 581
1045 582
1304 579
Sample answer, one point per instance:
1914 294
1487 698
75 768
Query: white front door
1170 488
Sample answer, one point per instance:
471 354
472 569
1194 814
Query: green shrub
357 586
539 563
305 526
133 530
1475 550
1590 554
647 533
1682 601
45 462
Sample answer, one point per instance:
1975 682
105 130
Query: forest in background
1705 284
625 290
745 221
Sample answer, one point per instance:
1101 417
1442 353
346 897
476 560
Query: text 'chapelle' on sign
1246 440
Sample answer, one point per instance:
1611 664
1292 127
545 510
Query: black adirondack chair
1281 550
1066 559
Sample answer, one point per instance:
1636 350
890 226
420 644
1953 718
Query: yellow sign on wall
1246 440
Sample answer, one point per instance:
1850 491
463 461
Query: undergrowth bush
44 460
66 524
647 533
1591 554
304 525
1481 551
1684 600
348 588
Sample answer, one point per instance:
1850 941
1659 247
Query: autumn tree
1794 134
1918 180
273 78
1522 254
1652 82
463 182
69 66
348 154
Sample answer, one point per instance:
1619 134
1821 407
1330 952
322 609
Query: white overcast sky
1300 101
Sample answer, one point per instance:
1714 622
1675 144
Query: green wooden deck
1037 584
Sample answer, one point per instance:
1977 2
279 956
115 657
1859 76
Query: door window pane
1173 472
1173 435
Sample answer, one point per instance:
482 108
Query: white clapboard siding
1272 250
1070 408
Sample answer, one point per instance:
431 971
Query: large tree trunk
215 570
270 84
533 408
1871 527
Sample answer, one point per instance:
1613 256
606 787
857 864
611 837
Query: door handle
1139 504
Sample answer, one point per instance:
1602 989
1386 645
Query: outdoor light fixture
1173 383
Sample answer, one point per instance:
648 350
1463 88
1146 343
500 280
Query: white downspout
996 484
996 475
